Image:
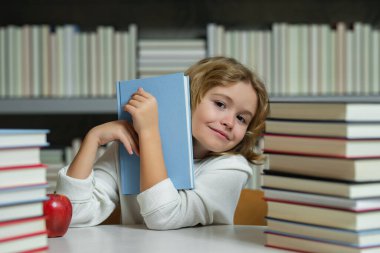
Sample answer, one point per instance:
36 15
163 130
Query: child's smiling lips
225 135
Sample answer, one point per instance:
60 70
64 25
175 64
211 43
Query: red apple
58 212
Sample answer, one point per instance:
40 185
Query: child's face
221 119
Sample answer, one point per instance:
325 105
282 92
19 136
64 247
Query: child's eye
220 104
241 119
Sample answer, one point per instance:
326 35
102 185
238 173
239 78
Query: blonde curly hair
223 71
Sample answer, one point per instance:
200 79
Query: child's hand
144 110
117 130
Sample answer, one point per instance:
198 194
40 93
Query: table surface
137 238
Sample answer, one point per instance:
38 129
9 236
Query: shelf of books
323 184
58 106
292 59
108 105
23 187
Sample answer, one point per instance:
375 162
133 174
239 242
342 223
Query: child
229 105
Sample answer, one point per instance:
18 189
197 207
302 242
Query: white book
132 50
358 44
357 205
333 62
229 44
284 53
211 39
84 65
76 80
276 63
366 69
68 60
125 64
3 73
18 85
10 60
375 64
109 80
313 60
54 65
45 61
21 211
293 61
350 62
12 229
220 39
94 79
325 83
60 90
267 51
171 43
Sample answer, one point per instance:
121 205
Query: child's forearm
152 165
83 162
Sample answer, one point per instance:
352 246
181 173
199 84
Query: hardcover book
338 188
12 138
362 238
302 244
324 216
321 146
173 97
336 111
327 167
356 205
350 130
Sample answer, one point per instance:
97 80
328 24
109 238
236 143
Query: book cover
17 176
321 146
327 167
350 130
173 98
356 205
14 229
362 238
319 110
22 194
338 188
21 211
301 244
10 138
33 242
324 216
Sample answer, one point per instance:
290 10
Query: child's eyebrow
230 100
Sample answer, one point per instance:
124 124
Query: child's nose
228 121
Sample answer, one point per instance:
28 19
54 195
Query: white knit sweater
218 182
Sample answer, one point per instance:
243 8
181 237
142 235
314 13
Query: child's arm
143 108
83 162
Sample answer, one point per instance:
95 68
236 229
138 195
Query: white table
135 239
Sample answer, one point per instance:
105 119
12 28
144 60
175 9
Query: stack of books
22 191
323 182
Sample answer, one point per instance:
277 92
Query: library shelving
69 118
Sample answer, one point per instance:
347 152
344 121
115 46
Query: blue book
173 97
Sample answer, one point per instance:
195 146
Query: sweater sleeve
94 198
218 183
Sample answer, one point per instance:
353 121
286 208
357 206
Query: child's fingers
129 145
143 93
129 108
138 97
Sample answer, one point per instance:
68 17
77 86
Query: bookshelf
48 106
154 19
